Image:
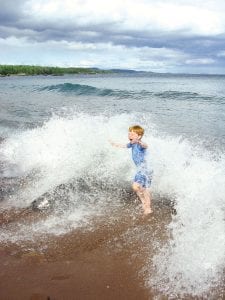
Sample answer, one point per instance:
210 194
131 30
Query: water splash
76 147
192 261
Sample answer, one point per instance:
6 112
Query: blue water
191 106
54 148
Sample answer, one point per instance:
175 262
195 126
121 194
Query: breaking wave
80 89
73 154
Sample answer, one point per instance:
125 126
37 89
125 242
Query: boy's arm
143 145
117 145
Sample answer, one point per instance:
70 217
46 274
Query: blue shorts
143 178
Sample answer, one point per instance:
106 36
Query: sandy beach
93 274
81 265
101 262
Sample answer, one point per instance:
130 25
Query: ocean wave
66 149
82 89
87 90
177 94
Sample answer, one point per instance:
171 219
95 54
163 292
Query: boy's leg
147 205
144 195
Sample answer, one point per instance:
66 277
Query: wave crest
79 89
85 90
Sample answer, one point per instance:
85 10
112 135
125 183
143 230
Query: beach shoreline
80 265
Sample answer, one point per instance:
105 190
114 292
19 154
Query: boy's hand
116 144
112 143
143 145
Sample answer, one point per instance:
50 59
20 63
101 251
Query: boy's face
133 136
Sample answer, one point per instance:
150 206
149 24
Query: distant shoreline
29 70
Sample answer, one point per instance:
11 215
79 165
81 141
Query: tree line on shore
6 70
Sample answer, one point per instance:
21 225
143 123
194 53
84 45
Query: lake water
55 157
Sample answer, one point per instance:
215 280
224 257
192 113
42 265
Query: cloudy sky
151 35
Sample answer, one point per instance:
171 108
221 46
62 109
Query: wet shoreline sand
91 275
106 259
83 264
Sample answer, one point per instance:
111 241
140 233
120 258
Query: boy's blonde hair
138 129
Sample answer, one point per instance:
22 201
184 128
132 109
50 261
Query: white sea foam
194 258
74 147
64 149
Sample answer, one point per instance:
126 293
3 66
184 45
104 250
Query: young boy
142 179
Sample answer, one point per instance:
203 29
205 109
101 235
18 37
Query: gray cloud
16 21
11 11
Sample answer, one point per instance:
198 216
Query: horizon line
119 70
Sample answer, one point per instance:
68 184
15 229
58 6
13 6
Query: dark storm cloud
18 22
15 23
11 11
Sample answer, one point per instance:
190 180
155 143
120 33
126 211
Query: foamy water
194 256
70 161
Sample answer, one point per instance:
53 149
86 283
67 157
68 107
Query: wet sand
93 274
84 264
104 260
